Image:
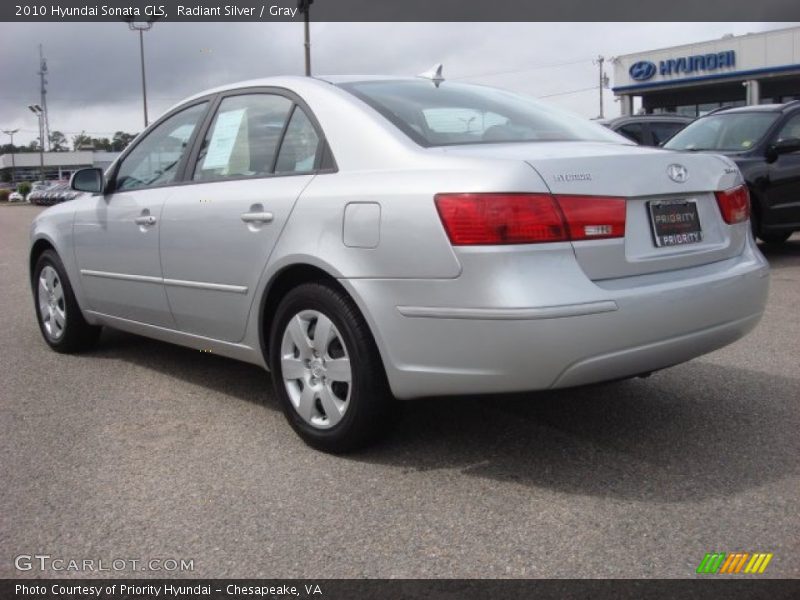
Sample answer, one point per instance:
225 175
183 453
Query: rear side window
243 139
633 131
298 153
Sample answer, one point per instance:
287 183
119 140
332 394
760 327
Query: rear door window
243 138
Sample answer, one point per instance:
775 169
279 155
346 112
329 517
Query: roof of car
640 118
759 108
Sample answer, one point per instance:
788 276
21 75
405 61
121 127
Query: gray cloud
94 82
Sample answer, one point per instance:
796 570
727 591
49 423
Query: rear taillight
734 204
592 217
475 219
489 219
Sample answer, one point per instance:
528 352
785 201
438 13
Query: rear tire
57 312
327 371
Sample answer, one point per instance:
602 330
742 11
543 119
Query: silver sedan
373 239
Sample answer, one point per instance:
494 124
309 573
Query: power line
594 87
523 70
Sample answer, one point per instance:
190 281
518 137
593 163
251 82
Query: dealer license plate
675 222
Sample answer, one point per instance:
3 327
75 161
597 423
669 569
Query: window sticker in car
226 130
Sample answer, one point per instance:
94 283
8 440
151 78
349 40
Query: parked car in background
648 130
59 192
367 239
764 142
16 197
37 189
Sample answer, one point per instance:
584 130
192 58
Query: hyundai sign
644 69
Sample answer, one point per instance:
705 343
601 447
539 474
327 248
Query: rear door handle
145 220
257 217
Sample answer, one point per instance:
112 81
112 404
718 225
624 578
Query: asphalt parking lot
143 450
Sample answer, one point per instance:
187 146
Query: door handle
257 217
145 220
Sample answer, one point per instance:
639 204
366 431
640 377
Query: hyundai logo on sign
642 70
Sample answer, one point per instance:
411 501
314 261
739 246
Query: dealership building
27 166
757 68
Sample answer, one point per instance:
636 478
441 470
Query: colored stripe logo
735 562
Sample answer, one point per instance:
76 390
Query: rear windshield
456 113
732 132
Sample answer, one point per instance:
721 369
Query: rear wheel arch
281 283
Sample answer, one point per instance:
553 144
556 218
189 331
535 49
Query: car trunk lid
641 176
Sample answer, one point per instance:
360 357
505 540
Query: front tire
60 319
327 371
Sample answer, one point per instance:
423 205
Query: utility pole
37 110
11 132
303 6
43 96
603 81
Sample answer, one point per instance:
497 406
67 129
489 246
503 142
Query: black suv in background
764 141
648 130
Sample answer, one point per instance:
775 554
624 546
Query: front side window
732 132
154 161
300 145
457 113
243 139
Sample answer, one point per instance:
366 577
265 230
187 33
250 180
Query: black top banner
401 10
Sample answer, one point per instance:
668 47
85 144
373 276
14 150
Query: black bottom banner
390 589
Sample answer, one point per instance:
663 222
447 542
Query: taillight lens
592 217
734 204
476 219
489 219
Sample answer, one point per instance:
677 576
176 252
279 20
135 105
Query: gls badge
678 173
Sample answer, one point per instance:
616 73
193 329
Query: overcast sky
94 80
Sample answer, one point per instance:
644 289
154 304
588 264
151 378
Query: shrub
24 188
4 195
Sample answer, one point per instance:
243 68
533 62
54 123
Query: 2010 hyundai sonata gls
367 239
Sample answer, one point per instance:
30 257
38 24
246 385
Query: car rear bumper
532 320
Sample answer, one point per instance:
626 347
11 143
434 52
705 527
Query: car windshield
455 113
732 132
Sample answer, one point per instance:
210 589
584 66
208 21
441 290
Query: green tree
121 140
58 141
101 144
81 141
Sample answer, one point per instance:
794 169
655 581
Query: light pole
141 27
37 110
304 5
10 133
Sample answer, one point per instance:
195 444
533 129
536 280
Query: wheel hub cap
315 367
52 307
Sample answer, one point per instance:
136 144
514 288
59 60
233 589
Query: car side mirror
88 180
786 146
